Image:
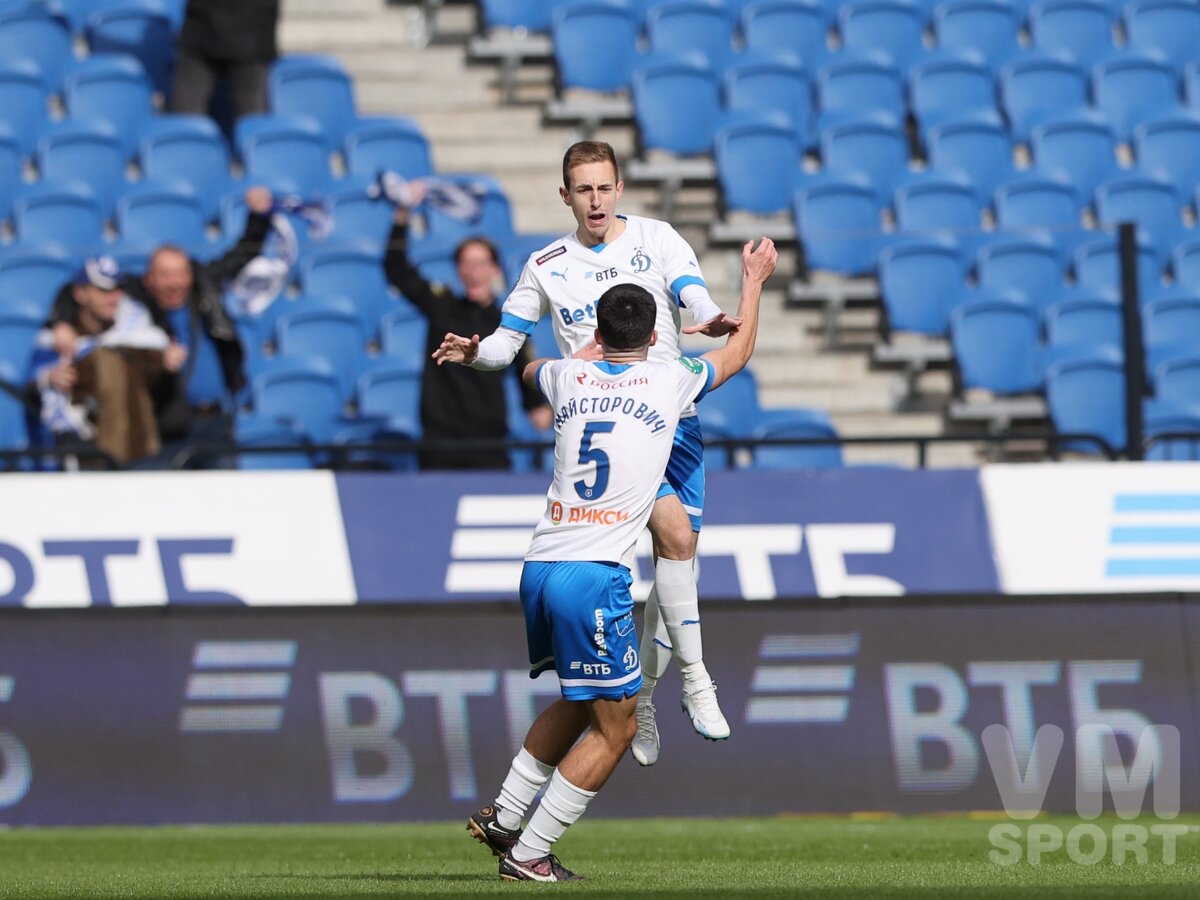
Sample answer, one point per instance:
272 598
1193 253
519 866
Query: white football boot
700 703
645 742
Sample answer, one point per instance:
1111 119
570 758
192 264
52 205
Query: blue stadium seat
132 256
140 28
1169 29
934 204
32 32
1024 266
873 150
360 215
794 26
158 213
287 150
676 105
984 29
1177 380
1191 83
434 259
10 171
757 164
798 423
388 144
1185 263
30 278
1035 204
888 28
1086 395
495 218
1174 319
112 89
691 26
403 338
304 392
1162 419
190 150
1079 30
1169 148
838 221
351 272
251 430
392 391
920 282
851 87
13 431
1130 88
87 152
17 333
1084 321
1038 88
995 339
1077 148
74 12
595 44
1097 267
336 337
23 99
528 15
66 214
1151 203
978 150
945 88
314 86
734 407
775 83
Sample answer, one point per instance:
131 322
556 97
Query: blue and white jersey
614 427
565 279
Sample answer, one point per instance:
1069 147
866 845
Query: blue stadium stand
936 204
1163 419
13 430
87 152
391 144
1023 265
798 424
304 392
920 281
1130 88
853 86
838 220
701 27
10 171
1168 148
734 409
360 215
23 101
17 331
156 213
890 29
1177 380
314 86
30 277
775 83
1078 30
677 105
791 26
1169 29
949 87
984 29
402 338
1038 87
1185 262
873 150
495 217
33 33
114 90
252 430
1085 394
391 391
996 343
66 214
1152 204
336 337
287 150
1032 204
1097 266
191 150
979 150
757 163
1078 148
1084 321
140 28
351 272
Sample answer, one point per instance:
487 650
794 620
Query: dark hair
482 242
583 152
625 314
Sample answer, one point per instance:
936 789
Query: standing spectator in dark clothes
458 402
184 299
225 40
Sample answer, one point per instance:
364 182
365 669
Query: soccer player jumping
564 280
615 425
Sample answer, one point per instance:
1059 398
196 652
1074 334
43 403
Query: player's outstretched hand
759 264
591 351
457 349
717 326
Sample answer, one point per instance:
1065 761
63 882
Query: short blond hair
583 152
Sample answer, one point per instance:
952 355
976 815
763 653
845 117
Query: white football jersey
614 425
565 279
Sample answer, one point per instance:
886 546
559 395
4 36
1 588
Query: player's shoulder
653 228
538 259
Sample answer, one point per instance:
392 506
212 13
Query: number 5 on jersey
590 454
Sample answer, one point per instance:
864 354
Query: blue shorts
579 622
685 470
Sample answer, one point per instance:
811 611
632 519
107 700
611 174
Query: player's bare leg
678 611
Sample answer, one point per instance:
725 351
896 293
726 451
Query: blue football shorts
579 622
685 470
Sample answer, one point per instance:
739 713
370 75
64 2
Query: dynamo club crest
640 261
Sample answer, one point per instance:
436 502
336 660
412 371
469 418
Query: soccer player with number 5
564 280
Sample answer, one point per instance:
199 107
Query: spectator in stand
225 40
459 403
203 352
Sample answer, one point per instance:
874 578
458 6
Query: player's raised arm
529 376
757 267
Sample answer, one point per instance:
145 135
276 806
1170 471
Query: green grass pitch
710 858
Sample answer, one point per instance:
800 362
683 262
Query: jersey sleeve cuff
683 281
710 373
516 323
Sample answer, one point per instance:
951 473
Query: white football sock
679 607
525 779
655 649
561 807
